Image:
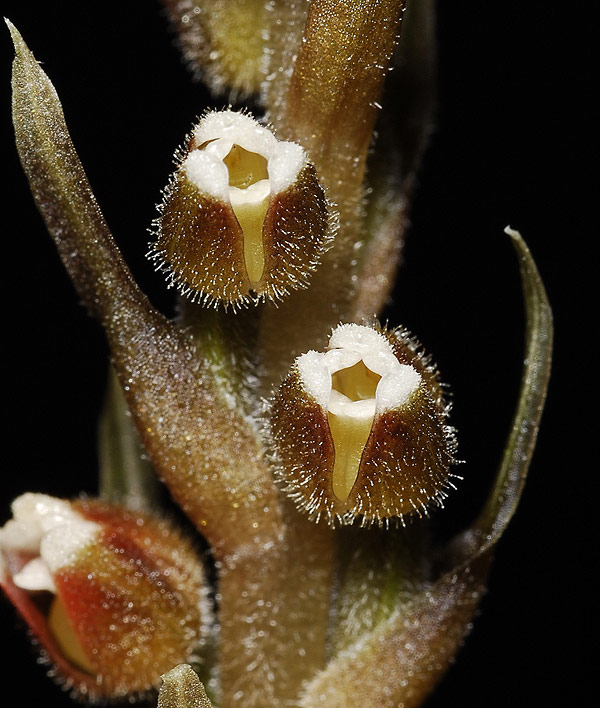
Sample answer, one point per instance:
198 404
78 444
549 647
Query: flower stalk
308 614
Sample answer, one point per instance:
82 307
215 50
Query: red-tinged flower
115 598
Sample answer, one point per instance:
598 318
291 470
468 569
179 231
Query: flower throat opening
350 413
249 190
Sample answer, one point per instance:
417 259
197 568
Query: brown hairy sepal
360 431
244 218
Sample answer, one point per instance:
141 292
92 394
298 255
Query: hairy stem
330 108
274 605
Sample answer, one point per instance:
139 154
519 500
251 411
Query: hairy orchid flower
244 217
301 621
114 598
360 429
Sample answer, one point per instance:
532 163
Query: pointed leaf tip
515 236
16 37
182 689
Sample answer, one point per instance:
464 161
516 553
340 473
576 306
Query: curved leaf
401 659
63 194
510 480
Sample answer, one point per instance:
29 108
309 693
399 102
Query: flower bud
114 598
360 429
244 217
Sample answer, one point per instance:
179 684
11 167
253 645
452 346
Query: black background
508 149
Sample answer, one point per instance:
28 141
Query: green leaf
126 475
63 194
510 480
